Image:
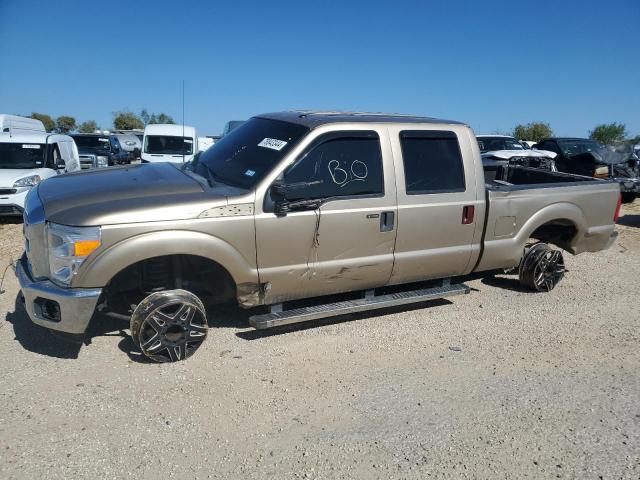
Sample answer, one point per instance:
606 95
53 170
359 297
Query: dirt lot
544 386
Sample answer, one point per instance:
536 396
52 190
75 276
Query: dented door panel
342 246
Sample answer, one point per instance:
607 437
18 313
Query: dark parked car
584 156
130 142
98 151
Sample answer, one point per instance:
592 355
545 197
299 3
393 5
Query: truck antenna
183 142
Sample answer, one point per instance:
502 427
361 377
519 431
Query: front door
346 243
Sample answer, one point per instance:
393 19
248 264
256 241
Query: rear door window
342 164
432 162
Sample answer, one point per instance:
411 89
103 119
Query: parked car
583 156
169 143
26 159
17 124
298 205
492 143
204 143
100 150
505 150
130 143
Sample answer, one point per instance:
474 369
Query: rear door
347 243
439 212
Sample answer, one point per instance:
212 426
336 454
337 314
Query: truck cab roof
313 118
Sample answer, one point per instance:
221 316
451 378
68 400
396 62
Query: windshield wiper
212 178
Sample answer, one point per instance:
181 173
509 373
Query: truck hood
127 194
9 176
507 154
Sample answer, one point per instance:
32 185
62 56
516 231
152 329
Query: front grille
10 210
35 233
87 162
7 191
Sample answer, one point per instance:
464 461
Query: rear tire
628 197
541 267
169 326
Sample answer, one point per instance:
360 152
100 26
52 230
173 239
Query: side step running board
278 317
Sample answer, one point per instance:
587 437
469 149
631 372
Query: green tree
89 126
609 133
144 116
534 131
150 119
164 118
47 121
65 124
126 120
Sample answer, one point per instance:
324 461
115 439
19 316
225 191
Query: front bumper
75 306
12 204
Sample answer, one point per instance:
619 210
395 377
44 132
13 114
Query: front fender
97 272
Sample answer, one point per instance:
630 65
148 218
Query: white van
169 143
204 143
16 124
27 158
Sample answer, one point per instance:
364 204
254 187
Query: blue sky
492 64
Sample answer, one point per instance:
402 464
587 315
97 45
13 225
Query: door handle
468 212
387 220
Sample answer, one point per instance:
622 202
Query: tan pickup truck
311 213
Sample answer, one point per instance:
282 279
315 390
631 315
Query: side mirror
61 164
284 201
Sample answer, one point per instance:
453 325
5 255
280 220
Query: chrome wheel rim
173 332
549 270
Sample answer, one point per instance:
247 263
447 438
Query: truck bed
574 212
518 177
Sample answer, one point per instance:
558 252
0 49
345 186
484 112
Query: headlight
102 161
29 181
68 248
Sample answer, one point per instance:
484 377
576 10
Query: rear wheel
628 197
169 326
541 267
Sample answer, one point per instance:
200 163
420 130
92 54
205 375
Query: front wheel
541 267
169 326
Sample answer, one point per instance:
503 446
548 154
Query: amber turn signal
82 248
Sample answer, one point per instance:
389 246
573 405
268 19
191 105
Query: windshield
101 143
243 157
576 147
490 144
22 155
168 145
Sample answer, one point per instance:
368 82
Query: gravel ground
543 386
